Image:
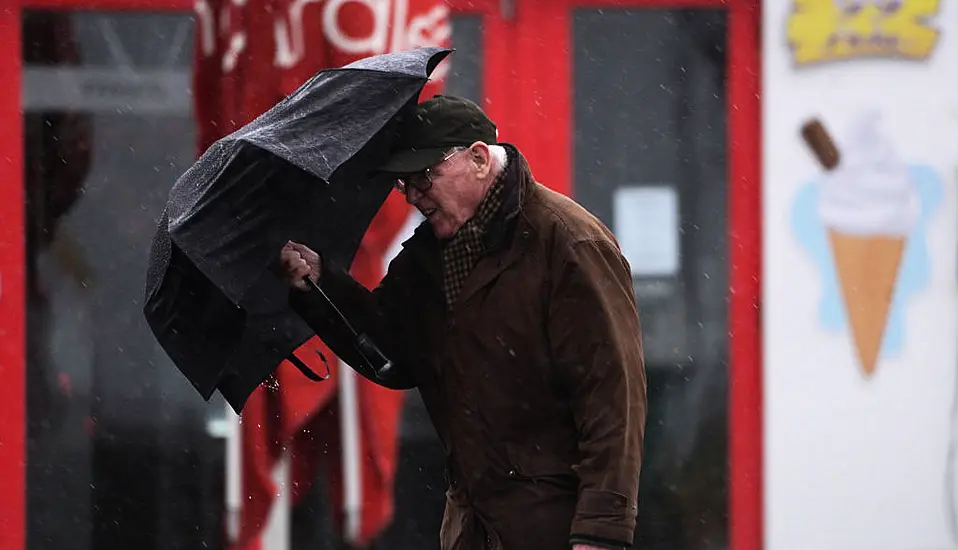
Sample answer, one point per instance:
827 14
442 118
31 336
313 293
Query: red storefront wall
527 89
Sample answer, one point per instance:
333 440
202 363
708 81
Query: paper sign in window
646 223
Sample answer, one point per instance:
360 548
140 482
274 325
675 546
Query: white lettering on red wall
391 29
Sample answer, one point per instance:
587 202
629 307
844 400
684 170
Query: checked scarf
463 251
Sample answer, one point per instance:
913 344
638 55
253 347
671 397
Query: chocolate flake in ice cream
820 142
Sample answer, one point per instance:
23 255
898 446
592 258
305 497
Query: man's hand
298 261
588 547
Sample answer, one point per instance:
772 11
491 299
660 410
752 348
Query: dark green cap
435 126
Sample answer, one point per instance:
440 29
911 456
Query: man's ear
481 156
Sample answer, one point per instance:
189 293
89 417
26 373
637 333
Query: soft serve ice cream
869 192
868 205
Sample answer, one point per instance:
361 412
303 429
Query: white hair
500 158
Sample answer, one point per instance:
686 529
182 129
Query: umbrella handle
367 348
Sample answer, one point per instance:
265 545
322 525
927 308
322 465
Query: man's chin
441 228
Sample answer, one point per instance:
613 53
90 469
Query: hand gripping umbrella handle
364 344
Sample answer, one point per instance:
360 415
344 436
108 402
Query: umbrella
304 171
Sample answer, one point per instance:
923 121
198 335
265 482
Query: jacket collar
517 180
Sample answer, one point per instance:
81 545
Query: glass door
116 454
650 159
643 115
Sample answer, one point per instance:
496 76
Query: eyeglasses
422 181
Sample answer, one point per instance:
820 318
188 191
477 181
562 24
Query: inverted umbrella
306 170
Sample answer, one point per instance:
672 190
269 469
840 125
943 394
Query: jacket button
512 473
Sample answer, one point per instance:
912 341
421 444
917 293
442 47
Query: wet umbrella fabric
302 171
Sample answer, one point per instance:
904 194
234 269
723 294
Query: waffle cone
867 267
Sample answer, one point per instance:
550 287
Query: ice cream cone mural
863 222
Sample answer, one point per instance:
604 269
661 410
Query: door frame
538 118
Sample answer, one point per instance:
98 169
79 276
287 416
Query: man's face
449 192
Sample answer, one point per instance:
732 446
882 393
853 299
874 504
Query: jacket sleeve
596 343
374 313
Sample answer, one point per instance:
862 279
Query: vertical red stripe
528 86
745 253
498 75
524 57
12 279
553 117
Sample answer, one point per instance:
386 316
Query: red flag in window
249 55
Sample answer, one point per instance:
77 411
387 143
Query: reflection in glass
116 455
57 161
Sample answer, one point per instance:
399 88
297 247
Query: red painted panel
745 258
528 91
12 281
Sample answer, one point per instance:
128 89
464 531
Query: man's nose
413 195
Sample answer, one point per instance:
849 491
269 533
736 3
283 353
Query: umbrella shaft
364 345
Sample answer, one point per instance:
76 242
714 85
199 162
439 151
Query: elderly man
511 309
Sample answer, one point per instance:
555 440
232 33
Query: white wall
858 460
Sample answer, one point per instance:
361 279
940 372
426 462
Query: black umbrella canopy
306 170
331 128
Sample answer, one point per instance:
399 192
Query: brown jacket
535 382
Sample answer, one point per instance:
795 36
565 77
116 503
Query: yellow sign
820 31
